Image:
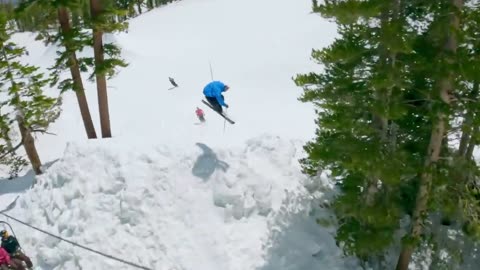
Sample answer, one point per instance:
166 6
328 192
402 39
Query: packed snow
170 207
169 192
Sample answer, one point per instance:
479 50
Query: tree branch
11 150
42 131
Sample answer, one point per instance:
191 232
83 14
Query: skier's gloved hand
226 105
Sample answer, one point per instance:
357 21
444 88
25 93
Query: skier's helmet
4 233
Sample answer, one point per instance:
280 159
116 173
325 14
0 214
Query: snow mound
193 207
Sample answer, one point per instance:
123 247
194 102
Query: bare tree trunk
29 145
63 19
96 9
434 148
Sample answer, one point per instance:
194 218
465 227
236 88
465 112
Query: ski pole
224 122
211 71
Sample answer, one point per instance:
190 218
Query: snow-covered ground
167 192
164 207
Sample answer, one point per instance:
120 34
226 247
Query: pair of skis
221 114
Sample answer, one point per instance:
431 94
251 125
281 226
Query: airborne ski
221 114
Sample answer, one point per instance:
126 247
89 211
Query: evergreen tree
358 139
448 19
101 18
384 109
102 21
25 103
73 39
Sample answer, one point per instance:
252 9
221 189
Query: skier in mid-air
213 93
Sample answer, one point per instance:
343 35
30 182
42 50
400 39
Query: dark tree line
398 113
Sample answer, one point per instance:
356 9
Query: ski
224 116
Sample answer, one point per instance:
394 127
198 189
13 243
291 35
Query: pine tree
468 105
25 103
102 21
454 188
358 139
73 39
384 110
444 88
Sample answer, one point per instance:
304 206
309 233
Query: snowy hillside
167 192
254 46
168 207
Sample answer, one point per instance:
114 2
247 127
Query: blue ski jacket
215 89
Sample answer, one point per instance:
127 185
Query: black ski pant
214 102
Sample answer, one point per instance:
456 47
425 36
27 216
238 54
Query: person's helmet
4 233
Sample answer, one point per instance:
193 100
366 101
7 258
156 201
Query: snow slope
255 46
164 207
169 193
